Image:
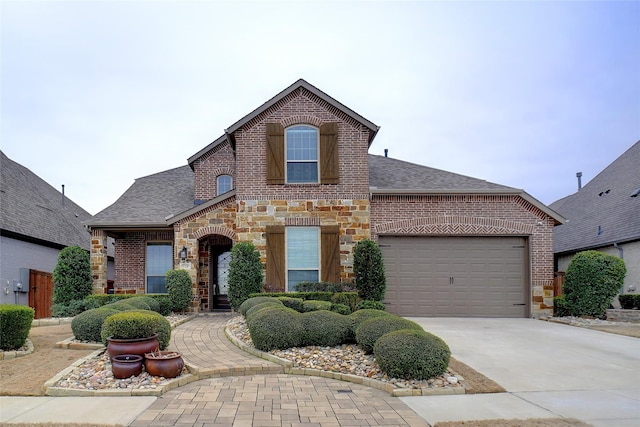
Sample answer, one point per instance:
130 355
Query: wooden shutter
275 153
330 253
329 153
275 258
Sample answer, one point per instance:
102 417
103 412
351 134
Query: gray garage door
456 276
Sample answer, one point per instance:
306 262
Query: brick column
99 260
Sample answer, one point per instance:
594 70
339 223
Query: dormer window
301 150
224 184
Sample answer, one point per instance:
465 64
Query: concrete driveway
548 369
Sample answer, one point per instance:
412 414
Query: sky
95 94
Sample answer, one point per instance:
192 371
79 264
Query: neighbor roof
32 210
603 212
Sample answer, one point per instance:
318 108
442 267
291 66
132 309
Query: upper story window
224 183
301 150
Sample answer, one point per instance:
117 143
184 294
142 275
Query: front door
223 272
40 293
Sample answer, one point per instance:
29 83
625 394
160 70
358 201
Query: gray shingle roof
150 200
603 211
31 208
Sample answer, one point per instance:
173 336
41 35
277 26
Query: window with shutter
330 243
303 255
275 274
301 151
329 153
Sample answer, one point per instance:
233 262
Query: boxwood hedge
369 331
15 324
276 327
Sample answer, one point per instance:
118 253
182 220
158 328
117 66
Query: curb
12 354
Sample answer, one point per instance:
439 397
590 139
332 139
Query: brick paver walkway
249 391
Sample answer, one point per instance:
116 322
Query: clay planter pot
166 364
126 365
138 346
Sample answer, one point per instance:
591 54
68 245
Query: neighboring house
604 215
294 177
36 222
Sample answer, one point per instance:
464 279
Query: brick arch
215 229
302 119
454 225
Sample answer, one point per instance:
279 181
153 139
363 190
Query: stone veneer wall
475 215
99 260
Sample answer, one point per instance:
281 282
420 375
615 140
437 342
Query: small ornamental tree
245 273
368 268
72 275
179 289
593 278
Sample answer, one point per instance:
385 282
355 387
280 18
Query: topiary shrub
324 328
359 317
245 273
15 324
72 275
340 309
275 328
294 303
179 289
273 302
87 326
592 280
153 304
411 354
251 302
368 268
370 305
137 324
313 305
369 331
319 287
137 303
121 306
350 299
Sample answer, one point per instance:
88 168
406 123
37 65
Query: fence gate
40 293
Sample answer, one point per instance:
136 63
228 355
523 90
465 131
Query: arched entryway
213 266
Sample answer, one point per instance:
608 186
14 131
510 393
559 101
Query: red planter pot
166 364
139 346
126 365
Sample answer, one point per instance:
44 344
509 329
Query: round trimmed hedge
87 325
151 302
121 305
136 302
273 303
137 324
295 303
275 328
324 328
361 316
315 305
247 304
369 331
411 354
15 324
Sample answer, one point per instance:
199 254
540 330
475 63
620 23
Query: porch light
183 253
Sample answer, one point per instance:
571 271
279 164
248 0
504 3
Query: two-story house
294 177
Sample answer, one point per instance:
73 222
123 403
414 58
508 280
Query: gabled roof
602 212
392 176
301 83
31 209
150 200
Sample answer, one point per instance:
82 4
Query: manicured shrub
121 305
87 325
319 287
245 273
72 275
179 289
324 328
369 331
15 324
137 324
319 296
593 278
371 305
560 307
72 308
100 299
340 309
153 304
368 268
250 302
350 299
275 328
295 303
629 301
411 354
137 303
359 317
165 304
271 303
312 305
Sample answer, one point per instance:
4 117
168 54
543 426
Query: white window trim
218 192
286 257
287 161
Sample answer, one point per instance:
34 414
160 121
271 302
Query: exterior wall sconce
183 253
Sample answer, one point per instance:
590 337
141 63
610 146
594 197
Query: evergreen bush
72 275
340 309
15 324
324 328
137 324
271 303
312 305
179 289
411 354
153 303
319 287
359 317
295 303
275 328
87 325
369 331
593 279
245 273
629 301
370 305
350 299
250 302
368 268
137 303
